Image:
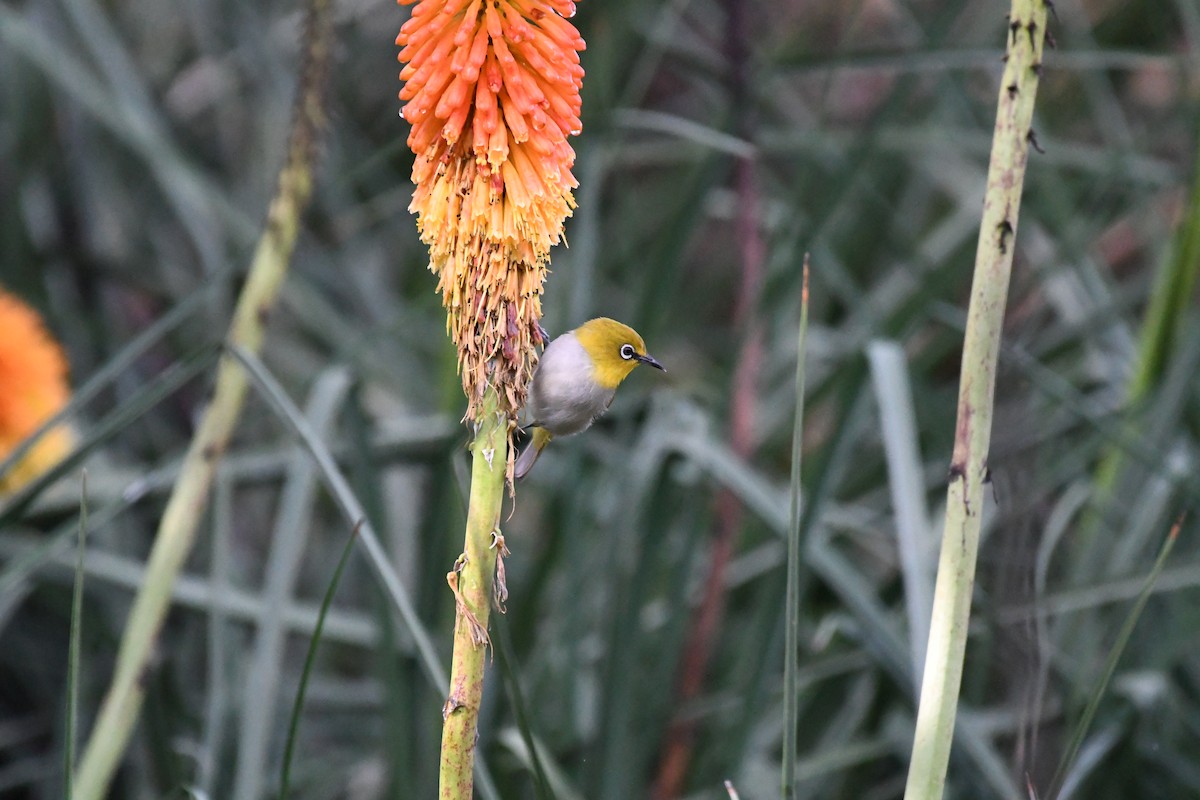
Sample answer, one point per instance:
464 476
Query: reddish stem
677 750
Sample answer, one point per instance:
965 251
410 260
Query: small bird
576 378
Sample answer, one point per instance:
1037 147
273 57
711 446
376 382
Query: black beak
652 361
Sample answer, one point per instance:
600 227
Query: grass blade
503 649
889 373
288 544
287 411
289 749
791 663
73 651
269 388
1110 666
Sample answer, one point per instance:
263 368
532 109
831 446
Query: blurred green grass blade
1170 301
179 180
393 672
502 642
19 568
266 384
622 758
1110 665
289 540
112 368
893 390
763 633
239 606
791 662
1171 297
287 412
141 401
1094 754
73 654
289 749
670 244
560 784
881 633
220 639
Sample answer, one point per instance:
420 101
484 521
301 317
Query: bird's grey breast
565 397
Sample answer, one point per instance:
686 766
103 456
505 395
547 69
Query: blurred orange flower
492 93
33 387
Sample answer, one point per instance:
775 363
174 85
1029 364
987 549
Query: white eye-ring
627 351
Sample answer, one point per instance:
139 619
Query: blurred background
139 144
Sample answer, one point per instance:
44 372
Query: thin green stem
1110 665
177 529
942 680
791 664
75 646
473 585
310 658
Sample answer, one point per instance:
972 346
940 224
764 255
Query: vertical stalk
177 529
981 345
473 586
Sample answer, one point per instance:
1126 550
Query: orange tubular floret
498 149
477 54
470 19
513 119
487 114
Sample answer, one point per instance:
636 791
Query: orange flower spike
491 94
33 388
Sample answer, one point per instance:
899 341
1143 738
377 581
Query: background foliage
139 143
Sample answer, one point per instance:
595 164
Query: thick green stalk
177 529
472 582
981 345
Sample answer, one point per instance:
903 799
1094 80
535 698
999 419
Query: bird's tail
530 454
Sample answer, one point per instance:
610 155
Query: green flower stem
472 580
1026 33
177 529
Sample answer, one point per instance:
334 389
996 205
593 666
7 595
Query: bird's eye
627 351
